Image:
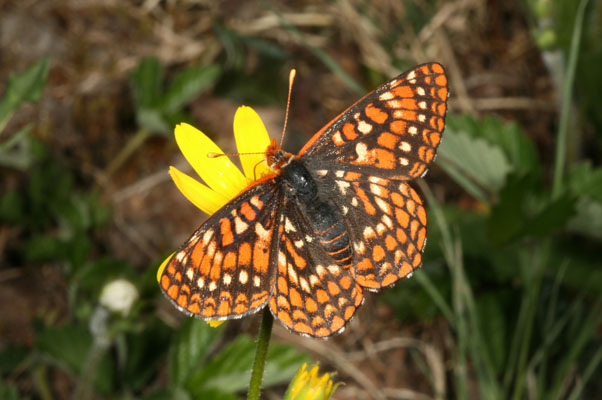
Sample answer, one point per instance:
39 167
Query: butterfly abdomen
326 223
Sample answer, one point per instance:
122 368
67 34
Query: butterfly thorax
321 215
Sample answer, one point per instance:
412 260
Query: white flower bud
119 296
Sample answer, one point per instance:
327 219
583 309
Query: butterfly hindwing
313 295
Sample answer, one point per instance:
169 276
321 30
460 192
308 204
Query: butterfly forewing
392 132
223 270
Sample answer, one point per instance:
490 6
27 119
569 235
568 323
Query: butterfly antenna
291 79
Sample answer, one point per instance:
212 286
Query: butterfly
335 220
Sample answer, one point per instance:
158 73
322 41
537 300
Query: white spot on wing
243 277
190 273
227 279
405 146
264 234
364 127
343 186
420 91
362 152
412 130
212 286
200 283
385 96
288 226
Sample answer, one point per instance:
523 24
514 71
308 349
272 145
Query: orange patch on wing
442 94
226 231
333 288
349 311
421 213
322 296
310 305
405 269
298 314
224 308
403 91
345 282
165 282
173 292
282 285
337 323
349 131
398 126
248 211
409 104
390 242
352 176
182 300
370 210
261 256
388 140
244 254
389 279
258 299
364 265
303 328
229 261
285 318
194 308
384 158
403 218
296 299
376 114
378 253
421 237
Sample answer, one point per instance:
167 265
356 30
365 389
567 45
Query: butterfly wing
224 270
393 132
313 296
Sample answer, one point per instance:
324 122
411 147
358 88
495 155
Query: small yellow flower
222 177
307 385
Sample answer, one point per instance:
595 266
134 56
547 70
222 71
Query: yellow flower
307 385
222 177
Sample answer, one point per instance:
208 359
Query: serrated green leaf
475 158
187 85
508 136
24 87
146 80
189 349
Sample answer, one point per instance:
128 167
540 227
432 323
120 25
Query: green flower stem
261 353
131 146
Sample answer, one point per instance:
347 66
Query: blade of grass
586 331
567 94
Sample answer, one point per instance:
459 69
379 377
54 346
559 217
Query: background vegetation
508 302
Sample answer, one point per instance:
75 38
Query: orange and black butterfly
330 222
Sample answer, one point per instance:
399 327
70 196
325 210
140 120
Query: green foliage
157 110
194 367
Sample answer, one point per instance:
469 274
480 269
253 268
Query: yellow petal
203 197
251 137
219 173
214 324
162 267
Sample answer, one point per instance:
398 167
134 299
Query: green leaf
67 346
24 87
507 216
508 136
146 80
189 350
187 85
230 369
478 161
15 152
588 218
153 121
584 180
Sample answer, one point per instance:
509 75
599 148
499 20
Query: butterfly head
275 157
